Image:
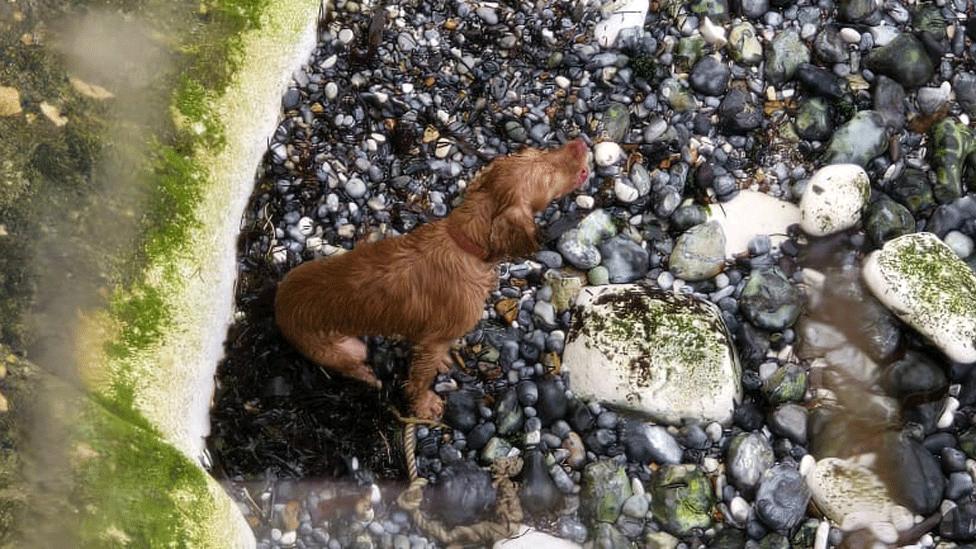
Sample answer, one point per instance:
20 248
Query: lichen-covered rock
603 490
657 353
834 199
853 496
925 284
903 59
681 499
952 142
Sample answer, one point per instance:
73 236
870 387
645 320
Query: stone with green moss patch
952 144
604 488
665 355
681 499
922 281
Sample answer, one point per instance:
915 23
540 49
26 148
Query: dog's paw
428 406
366 375
445 364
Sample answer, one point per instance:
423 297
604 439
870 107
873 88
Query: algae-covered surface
114 115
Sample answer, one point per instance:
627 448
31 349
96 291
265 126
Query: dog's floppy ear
512 234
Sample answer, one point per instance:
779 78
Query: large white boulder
852 496
834 199
751 214
667 356
920 279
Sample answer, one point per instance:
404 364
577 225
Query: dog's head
523 184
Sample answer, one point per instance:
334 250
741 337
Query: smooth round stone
834 199
781 501
607 153
346 36
887 219
745 45
769 300
644 443
903 59
625 260
859 141
616 121
562 82
710 76
463 493
749 456
961 244
598 276
331 91
625 193
699 253
355 188
784 55
488 15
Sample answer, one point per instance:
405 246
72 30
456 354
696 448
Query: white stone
883 34
585 201
660 354
607 153
834 198
960 243
850 35
948 413
884 531
739 509
822 536
926 285
346 36
850 494
713 34
562 82
625 193
622 17
530 538
753 213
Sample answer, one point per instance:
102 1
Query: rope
508 508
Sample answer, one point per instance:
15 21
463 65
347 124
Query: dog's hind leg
341 354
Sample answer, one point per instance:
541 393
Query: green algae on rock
858 141
681 499
603 490
922 281
665 355
952 145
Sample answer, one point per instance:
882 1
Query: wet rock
913 190
813 120
913 473
964 85
710 76
644 443
538 492
749 456
494 449
681 499
751 214
552 404
784 54
603 490
616 121
787 384
745 45
889 101
790 421
699 253
903 59
463 494
508 413
887 219
738 113
625 259
856 10
781 501
829 47
959 524
628 339
952 143
860 140
834 199
924 283
932 100
461 410
820 81
842 488
607 536
769 300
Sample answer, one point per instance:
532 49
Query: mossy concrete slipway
130 427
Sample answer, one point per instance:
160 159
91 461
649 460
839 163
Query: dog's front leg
428 359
